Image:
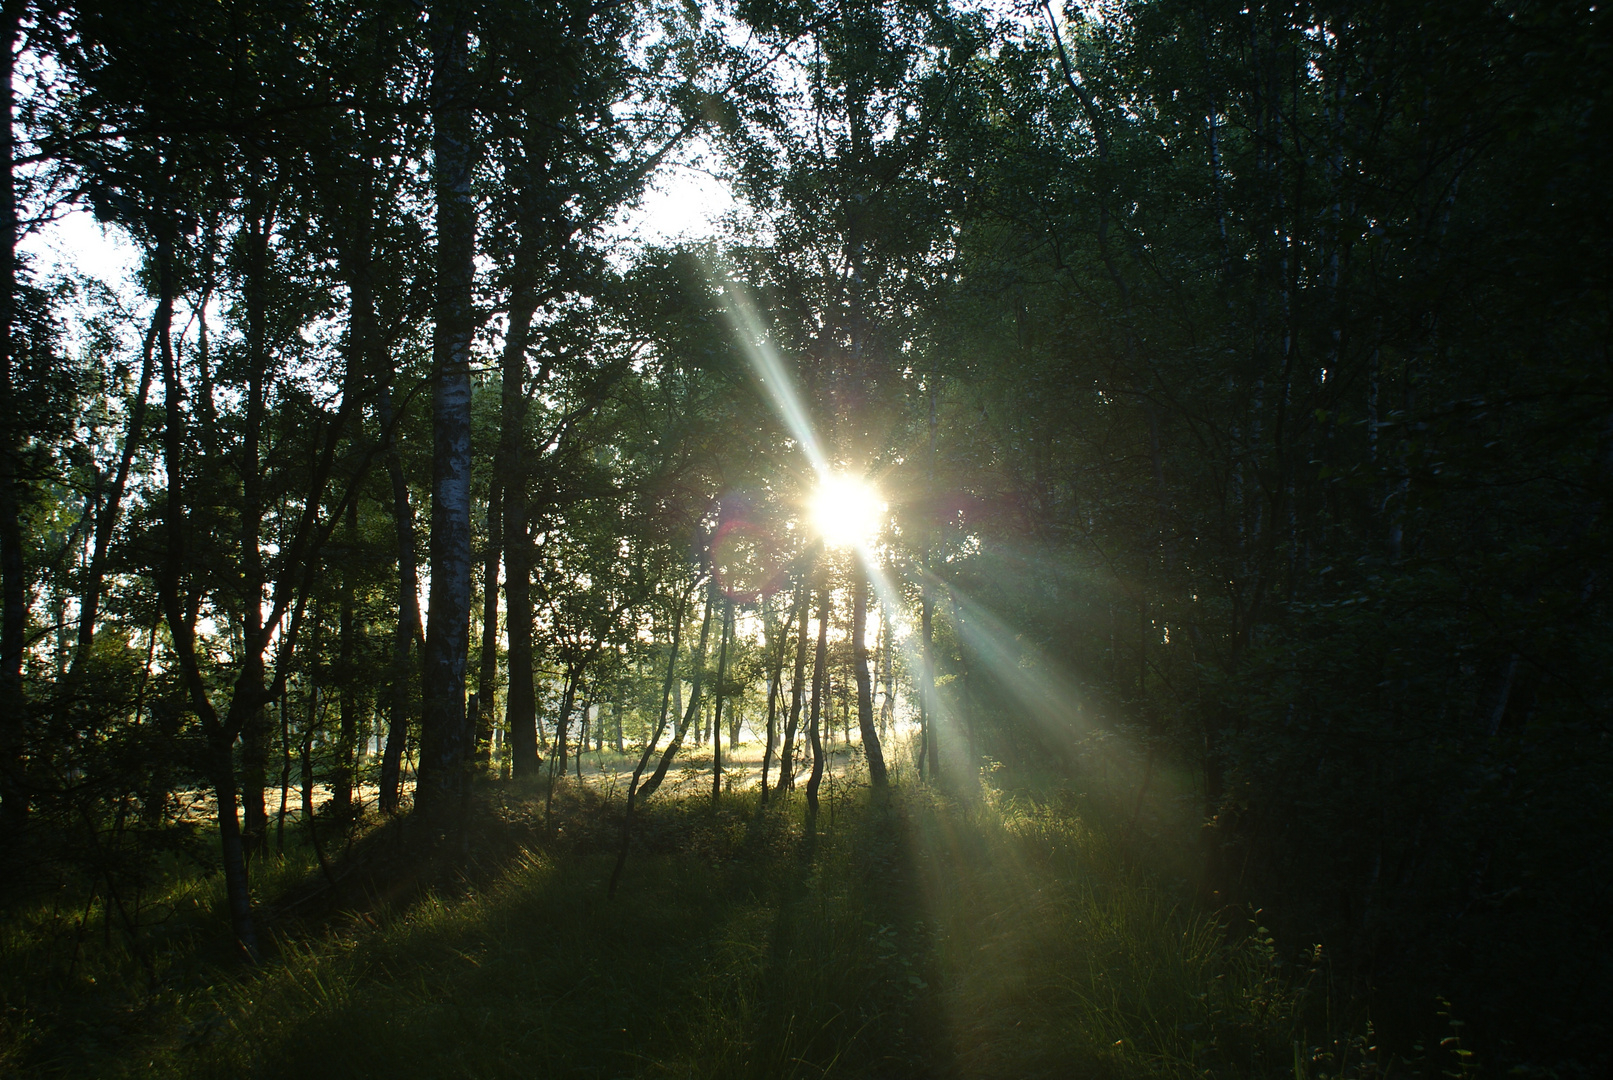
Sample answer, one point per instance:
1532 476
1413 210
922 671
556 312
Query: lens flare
847 511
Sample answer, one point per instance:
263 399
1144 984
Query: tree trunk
341 781
820 681
521 702
887 671
965 694
520 711
443 779
107 520
13 588
305 759
220 738
256 733
285 771
781 642
845 715
691 715
649 746
408 632
487 674
927 703
716 715
582 735
236 892
616 713
865 690
562 723
929 748
786 761
310 826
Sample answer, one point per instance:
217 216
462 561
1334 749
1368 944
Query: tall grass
1005 932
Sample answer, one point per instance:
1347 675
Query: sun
846 511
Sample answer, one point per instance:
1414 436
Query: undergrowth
1012 931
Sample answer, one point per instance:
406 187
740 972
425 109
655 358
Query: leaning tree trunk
444 740
692 714
106 521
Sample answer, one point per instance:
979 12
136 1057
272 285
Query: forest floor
605 769
1014 929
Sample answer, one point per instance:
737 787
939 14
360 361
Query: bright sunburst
846 511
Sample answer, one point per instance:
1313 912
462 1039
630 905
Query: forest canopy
1204 402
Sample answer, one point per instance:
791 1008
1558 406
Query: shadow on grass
995 933
736 948
836 978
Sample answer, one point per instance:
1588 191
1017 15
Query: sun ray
769 370
1036 683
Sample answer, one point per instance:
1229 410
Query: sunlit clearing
846 511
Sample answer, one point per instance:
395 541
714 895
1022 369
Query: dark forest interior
757 538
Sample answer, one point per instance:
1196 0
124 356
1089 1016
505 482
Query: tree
445 739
